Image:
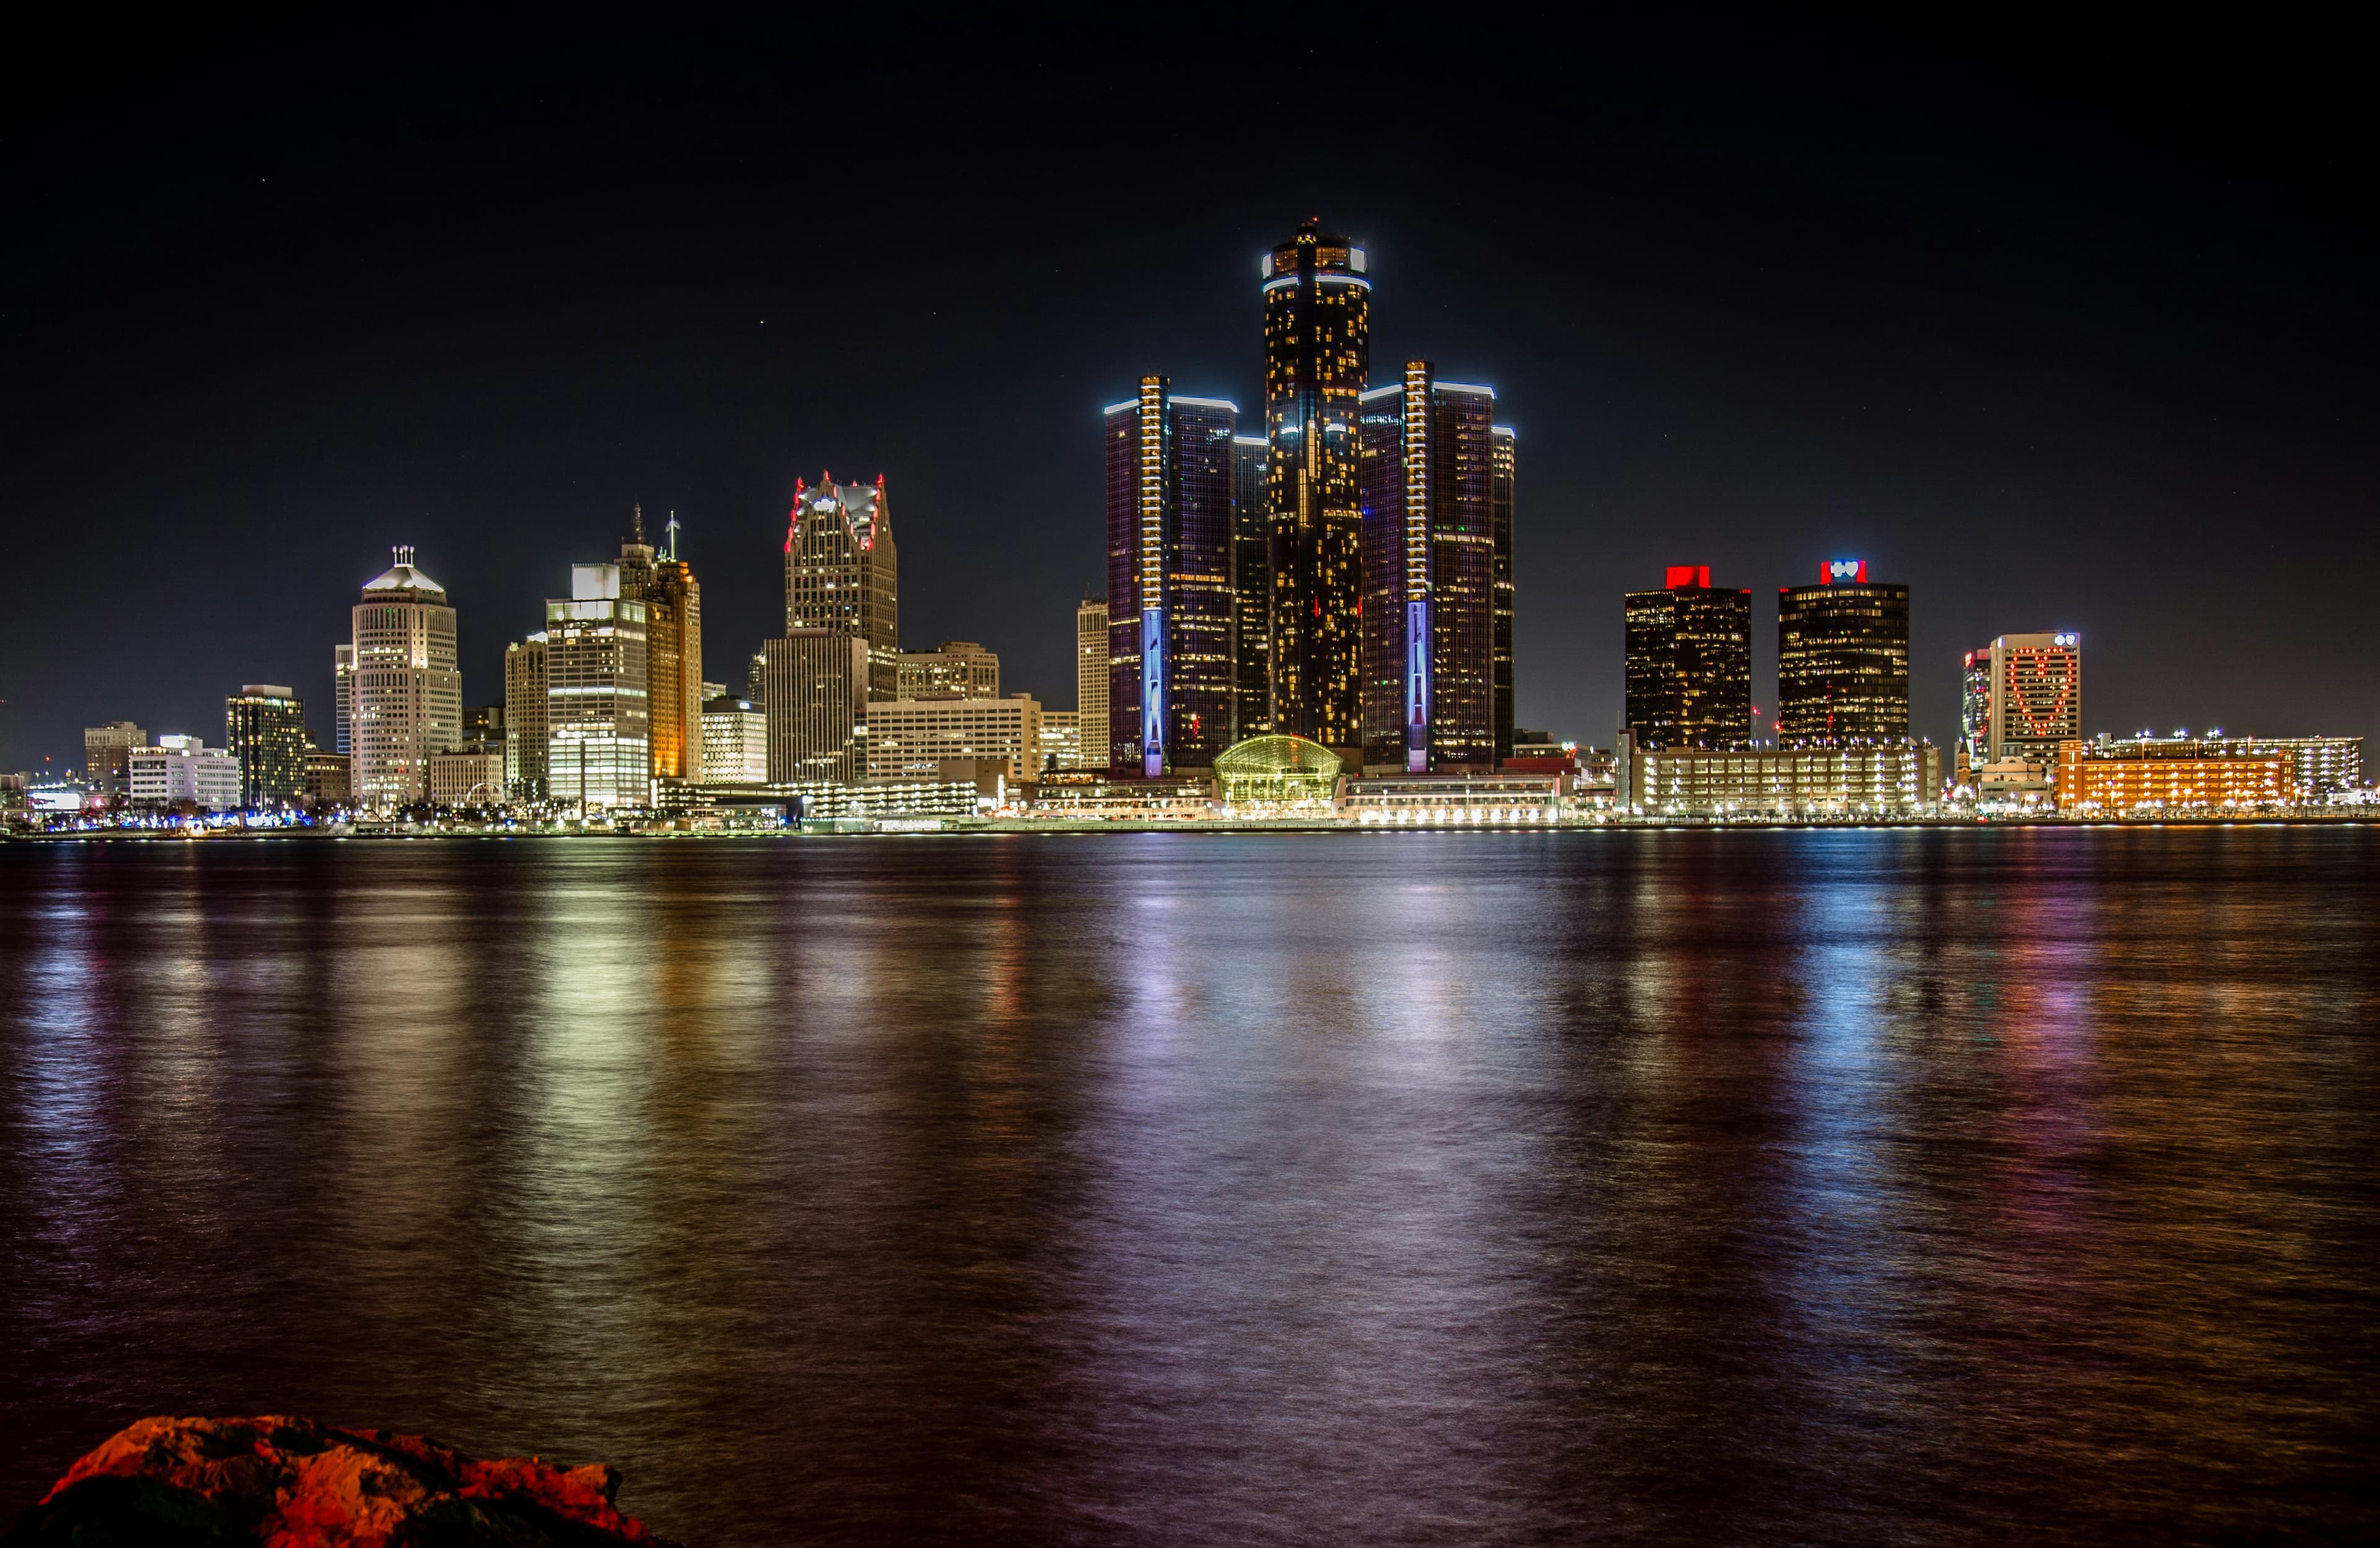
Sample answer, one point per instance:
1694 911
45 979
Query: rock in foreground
293 1483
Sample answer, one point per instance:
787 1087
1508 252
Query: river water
1734 1187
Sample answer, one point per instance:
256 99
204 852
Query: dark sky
2061 333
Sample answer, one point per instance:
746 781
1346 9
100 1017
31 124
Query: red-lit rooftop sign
1688 575
1843 569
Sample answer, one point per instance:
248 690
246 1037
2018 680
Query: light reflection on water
1402 1189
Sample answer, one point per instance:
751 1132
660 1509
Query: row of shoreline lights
1409 817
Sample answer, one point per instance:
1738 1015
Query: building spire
636 522
670 527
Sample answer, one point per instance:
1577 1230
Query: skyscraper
343 673
1317 355
1091 683
264 728
1842 658
843 572
1427 481
1169 497
2021 696
598 727
1505 457
1251 589
816 708
673 601
528 728
405 694
1688 653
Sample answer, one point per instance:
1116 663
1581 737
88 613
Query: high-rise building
735 741
959 666
528 728
1251 589
106 754
598 729
1842 658
1169 496
911 738
2021 696
343 672
1091 682
816 706
756 679
1429 566
1688 653
673 600
405 694
843 572
1505 457
264 730
1318 356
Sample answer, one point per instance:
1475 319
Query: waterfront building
326 778
1426 478
405 694
2020 697
959 666
1318 337
816 705
1091 682
880 805
1842 658
343 673
1277 771
673 600
735 741
1689 662
264 730
106 754
842 573
598 730
2114 776
1424 800
1061 740
1842 779
1091 795
1251 589
1169 507
528 727
910 738
181 770
474 778
1505 459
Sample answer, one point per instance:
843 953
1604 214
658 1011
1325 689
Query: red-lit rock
293 1483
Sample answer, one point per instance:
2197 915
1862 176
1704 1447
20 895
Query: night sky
2063 333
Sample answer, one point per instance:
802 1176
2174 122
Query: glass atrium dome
1276 771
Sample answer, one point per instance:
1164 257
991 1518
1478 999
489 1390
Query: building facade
1426 478
527 727
735 741
914 737
1317 338
343 673
1506 455
2021 696
1171 684
1868 779
598 729
959 666
2115 775
1842 658
1689 662
1091 683
107 757
1251 589
326 778
264 730
673 600
1061 741
405 693
183 771
817 706
466 778
842 573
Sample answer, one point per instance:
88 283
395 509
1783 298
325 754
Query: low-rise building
106 753
1088 795
1882 778
468 778
1418 800
181 770
2116 775
907 737
326 778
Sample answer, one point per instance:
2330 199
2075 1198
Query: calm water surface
1878 1187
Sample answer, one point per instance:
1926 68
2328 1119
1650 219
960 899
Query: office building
1843 779
528 727
1318 337
326 778
1169 507
673 600
264 730
756 679
2020 697
405 694
735 741
1427 487
599 734
1061 741
483 728
1091 682
1842 658
816 706
1689 662
473 778
106 753
1505 458
183 771
343 673
916 737
959 666
2115 775
842 573
1251 589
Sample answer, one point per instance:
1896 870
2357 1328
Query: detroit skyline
1715 351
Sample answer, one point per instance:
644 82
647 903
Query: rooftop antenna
671 530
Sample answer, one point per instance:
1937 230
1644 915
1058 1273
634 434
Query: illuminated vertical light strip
1153 429
1416 566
